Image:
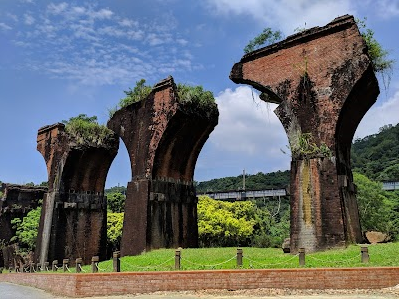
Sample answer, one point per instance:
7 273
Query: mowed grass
254 258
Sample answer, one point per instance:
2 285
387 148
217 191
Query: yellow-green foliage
86 130
114 229
225 223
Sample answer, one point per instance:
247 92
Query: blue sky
59 59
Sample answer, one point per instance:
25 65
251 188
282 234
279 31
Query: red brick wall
81 285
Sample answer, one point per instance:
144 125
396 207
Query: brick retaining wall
103 284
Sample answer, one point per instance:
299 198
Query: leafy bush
374 207
86 130
137 94
240 223
114 230
116 202
26 229
196 100
378 55
267 37
224 223
193 99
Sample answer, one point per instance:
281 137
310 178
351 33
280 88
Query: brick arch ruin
324 83
73 220
163 138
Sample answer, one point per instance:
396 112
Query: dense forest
259 181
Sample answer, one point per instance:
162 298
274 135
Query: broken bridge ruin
73 220
324 83
17 201
163 137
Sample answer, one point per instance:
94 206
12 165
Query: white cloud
182 41
249 135
248 125
4 27
285 15
128 23
12 17
103 13
378 116
387 8
28 19
95 46
57 9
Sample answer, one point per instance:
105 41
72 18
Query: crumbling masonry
163 138
324 83
16 202
73 220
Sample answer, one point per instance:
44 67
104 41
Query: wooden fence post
116 261
79 262
365 254
177 259
65 263
54 266
239 257
301 256
94 261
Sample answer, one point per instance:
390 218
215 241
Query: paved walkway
12 291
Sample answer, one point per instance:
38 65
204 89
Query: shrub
86 130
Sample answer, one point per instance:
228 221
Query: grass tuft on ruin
86 131
192 99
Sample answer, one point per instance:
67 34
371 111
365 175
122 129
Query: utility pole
243 180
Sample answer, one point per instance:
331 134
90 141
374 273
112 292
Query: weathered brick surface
163 140
324 83
103 284
73 219
16 202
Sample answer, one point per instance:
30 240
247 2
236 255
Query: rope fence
182 263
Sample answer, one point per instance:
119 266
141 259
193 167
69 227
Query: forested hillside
273 180
377 156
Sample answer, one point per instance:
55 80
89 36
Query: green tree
271 230
26 229
265 38
44 184
116 202
137 94
114 230
224 223
374 207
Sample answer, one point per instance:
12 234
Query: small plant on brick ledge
306 148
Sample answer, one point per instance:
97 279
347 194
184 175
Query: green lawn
255 258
